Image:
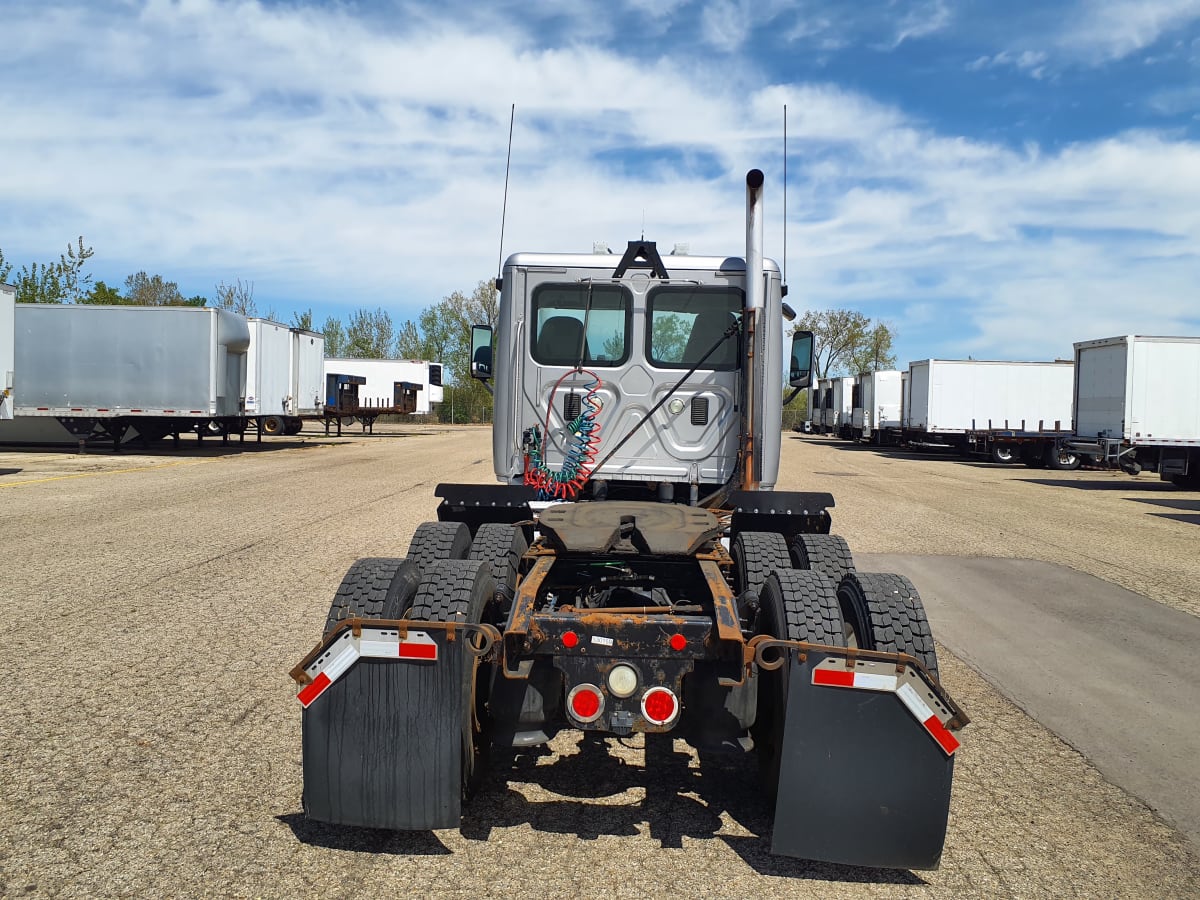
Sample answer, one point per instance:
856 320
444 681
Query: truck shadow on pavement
1190 514
677 801
1124 483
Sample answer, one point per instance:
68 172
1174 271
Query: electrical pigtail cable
579 453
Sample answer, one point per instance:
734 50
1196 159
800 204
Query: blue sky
996 180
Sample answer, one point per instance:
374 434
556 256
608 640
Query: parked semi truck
8 331
114 371
875 407
635 571
944 399
1137 405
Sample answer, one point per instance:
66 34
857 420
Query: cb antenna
512 117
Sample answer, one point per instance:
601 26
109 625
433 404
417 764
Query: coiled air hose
579 455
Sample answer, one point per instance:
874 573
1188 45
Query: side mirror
800 370
481 352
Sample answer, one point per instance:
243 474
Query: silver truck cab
623 332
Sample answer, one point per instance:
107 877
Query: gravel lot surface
149 735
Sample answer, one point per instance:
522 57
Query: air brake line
579 453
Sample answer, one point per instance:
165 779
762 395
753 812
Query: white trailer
107 370
1137 401
949 397
876 406
841 405
8 331
308 373
383 376
268 375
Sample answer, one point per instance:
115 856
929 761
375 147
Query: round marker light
570 639
678 642
622 680
659 706
675 406
585 702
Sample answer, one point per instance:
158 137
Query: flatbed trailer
1037 448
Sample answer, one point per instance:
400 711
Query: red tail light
585 702
659 706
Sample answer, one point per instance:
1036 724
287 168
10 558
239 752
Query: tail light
660 706
585 702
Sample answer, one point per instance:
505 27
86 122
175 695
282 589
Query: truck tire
1061 459
828 554
433 541
756 554
271 425
886 614
501 547
1003 454
459 590
794 606
1189 482
293 426
374 588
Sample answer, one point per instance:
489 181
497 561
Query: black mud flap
382 739
863 780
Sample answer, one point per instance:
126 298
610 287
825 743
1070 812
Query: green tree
409 344
59 282
837 334
104 295
304 320
874 353
197 300
237 297
335 337
669 340
370 334
152 290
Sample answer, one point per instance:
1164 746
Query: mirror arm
487 386
793 395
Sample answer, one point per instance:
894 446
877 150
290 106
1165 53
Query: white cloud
349 162
1101 31
922 20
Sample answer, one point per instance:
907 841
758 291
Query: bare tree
237 297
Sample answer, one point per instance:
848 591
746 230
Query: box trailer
946 398
841 405
1137 401
875 412
8 330
384 375
101 371
308 372
268 375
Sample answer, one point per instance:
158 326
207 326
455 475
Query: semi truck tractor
636 571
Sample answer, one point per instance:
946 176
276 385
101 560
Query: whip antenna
512 117
785 193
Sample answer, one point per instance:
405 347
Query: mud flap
863 781
382 740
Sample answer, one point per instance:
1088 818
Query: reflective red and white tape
874 681
373 643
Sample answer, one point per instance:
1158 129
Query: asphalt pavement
1112 673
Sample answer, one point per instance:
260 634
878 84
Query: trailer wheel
374 588
1061 459
828 554
501 547
433 541
1003 453
271 425
756 554
458 590
794 606
293 426
888 616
